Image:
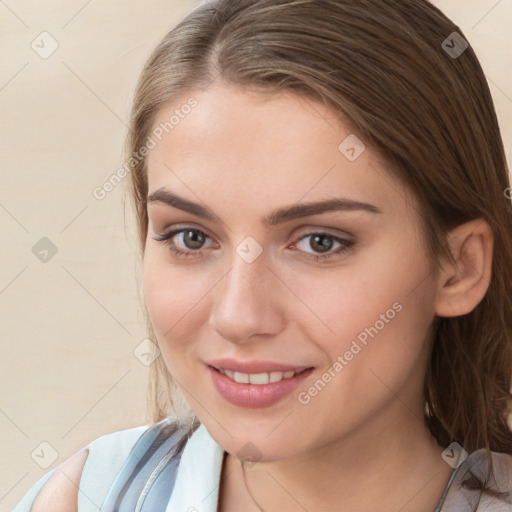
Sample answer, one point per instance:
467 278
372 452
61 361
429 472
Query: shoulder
115 444
60 493
88 472
495 468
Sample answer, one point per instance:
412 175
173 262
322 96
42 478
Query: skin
60 493
243 155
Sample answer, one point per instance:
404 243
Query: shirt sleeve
107 455
461 499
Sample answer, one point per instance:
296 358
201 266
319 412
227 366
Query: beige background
69 326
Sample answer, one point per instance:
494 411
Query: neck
385 468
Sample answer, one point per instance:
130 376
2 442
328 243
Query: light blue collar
198 478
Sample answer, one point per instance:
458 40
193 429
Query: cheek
374 314
370 361
176 300
338 304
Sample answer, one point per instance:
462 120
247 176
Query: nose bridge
243 306
244 287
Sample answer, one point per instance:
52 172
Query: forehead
250 146
258 121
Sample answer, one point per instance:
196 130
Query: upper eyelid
307 232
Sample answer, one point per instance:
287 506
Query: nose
247 302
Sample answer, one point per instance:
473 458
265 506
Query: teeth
259 378
241 378
256 378
275 376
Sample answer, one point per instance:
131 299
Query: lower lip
254 396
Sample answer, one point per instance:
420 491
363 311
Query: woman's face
270 284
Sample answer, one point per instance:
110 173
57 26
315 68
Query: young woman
324 211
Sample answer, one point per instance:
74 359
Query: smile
257 378
256 390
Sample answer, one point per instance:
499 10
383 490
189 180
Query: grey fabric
146 480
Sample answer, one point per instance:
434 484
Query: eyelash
347 245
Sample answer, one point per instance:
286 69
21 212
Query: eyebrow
279 216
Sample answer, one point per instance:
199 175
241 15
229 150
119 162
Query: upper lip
254 367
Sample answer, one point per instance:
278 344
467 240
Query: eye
191 238
324 242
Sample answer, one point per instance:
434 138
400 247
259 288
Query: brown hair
385 68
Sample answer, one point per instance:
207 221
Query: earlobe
464 285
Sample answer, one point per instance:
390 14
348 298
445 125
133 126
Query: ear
464 285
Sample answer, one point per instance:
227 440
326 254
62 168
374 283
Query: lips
255 384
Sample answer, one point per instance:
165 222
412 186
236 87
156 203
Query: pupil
194 236
321 246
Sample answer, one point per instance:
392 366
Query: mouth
259 379
257 389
